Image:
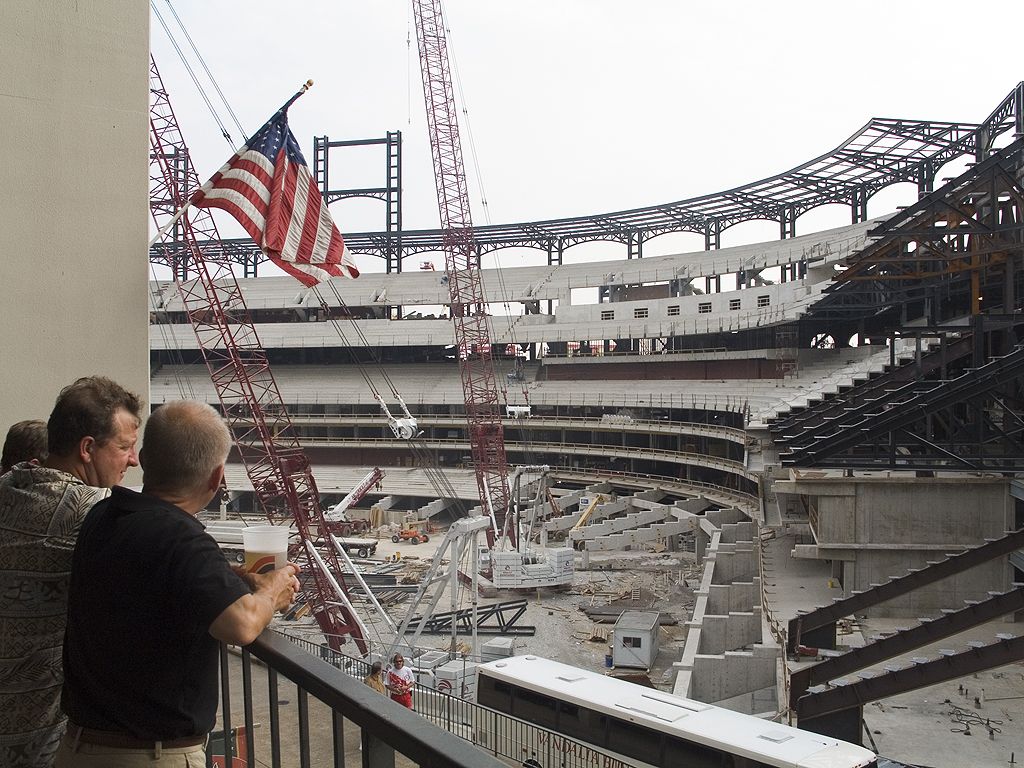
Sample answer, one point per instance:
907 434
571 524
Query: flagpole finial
305 87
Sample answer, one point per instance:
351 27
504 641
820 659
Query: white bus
642 726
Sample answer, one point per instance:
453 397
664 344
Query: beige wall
74 219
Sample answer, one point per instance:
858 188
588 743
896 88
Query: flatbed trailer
363 548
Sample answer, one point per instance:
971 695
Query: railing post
275 719
303 727
250 747
225 694
338 728
376 754
494 733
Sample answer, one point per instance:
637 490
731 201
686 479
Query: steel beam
872 421
505 616
883 152
928 631
914 579
949 666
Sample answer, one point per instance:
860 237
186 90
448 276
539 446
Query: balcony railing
336 721
339 721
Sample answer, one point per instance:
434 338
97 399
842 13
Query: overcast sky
588 106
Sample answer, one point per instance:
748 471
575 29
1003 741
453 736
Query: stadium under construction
781 480
829 424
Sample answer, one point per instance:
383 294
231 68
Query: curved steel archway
883 152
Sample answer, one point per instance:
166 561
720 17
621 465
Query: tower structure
462 267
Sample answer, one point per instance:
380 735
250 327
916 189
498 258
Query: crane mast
462 268
251 403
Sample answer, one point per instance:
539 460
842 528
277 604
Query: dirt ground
632 580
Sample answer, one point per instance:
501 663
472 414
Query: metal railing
337 720
539 421
442 730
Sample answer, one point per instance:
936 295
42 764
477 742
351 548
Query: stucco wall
74 221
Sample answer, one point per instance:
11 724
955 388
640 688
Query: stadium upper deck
646 315
672 304
685 337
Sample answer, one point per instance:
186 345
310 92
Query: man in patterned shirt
91 433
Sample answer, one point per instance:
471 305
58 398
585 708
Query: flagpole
305 87
166 227
181 211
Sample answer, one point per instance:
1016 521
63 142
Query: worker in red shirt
400 681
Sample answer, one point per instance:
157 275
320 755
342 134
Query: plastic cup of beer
266 547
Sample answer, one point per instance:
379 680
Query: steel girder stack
250 400
956 252
948 268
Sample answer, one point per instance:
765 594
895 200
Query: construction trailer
635 639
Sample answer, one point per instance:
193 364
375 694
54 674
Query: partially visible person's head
93 429
26 441
376 668
184 449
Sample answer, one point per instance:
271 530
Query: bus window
534 707
681 752
494 694
634 741
575 721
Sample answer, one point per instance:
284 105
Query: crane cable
224 132
184 385
209 74
428 461
157 297
439 481
374 356
172 345
427 458
503 289
188 67
408 68
469 126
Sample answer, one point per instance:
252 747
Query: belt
127 741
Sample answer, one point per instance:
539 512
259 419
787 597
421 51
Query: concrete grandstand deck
440 384
533 283
665 317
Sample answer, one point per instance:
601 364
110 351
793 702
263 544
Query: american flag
268 188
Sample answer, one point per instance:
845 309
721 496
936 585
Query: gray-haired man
151 595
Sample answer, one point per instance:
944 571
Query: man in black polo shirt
151 596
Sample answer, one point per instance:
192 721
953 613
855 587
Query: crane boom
337 513
462 267
251 403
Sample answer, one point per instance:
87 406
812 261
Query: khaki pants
70 755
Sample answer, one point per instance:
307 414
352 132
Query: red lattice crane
462 267
251 402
